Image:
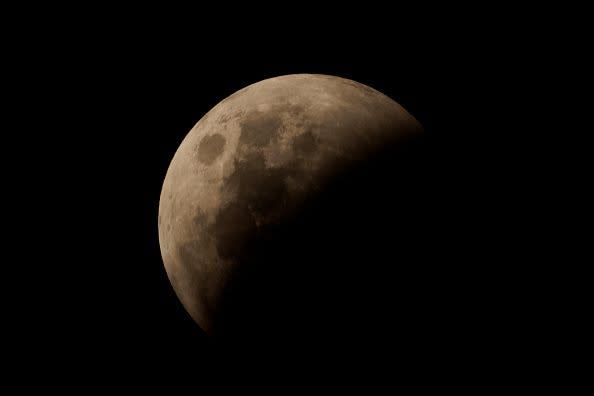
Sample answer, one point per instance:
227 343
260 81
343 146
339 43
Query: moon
248 174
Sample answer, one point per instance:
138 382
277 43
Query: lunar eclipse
254 186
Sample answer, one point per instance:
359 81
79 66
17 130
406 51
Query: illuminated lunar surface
250 165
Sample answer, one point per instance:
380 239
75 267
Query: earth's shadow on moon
362 264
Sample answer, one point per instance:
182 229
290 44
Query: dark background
118 90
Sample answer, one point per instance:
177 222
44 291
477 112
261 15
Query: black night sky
120 90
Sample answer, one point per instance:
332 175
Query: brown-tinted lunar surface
249 166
